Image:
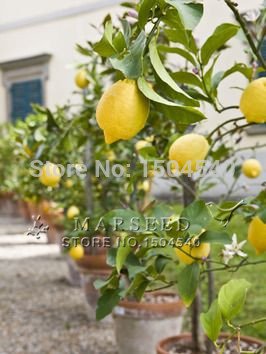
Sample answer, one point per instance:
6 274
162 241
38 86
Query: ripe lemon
27 150
252 103
50 175
145 186
76 252
251 168
122 111
111 156
202 251
141 144
81 79
188 151
69 183
72 212
257 234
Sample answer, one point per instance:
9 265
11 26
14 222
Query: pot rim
172 309
160 346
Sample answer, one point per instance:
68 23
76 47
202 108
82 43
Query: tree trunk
88 182
189 195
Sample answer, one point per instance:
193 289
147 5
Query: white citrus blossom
233 249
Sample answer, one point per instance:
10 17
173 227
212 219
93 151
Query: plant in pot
136 51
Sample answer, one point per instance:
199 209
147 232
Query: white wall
57 37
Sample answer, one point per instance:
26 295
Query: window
24 81
22 95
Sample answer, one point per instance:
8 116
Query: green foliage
232 297
220 36
188 281
212 321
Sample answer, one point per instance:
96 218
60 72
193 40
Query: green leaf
51 122
212 321
105 46
182 52
197 213
138 286
107 302
131 65
188 283
262 215
215 237
220 36
160 263
237 68
189 12
232 297
208 77
119 42
122 253
185 77
181 114
166 78
146 7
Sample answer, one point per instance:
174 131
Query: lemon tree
148 97
147 117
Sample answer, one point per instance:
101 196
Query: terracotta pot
8 204
56 228
139 325
93 262
88 277
24 210
74 276
166 344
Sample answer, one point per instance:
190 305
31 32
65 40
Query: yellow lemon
122 111
72 212
111 156
27 150
50 175
188 151
251 168
201 251
257 234
81 79
150 139
69 183
141 144
253 101
77 252
145 186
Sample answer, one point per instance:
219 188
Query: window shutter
22 95
263 52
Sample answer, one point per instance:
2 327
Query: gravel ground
40 312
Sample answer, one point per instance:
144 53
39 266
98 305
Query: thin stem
227 108
152 33
232 131
241 21
234 268
254 322
223 124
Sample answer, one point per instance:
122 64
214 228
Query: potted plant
137 52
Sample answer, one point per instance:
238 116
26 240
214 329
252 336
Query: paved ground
39 311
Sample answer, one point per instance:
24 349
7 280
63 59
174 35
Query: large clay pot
24 211
88 277
139 325
8 204
166 344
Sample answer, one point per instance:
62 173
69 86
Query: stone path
39 311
